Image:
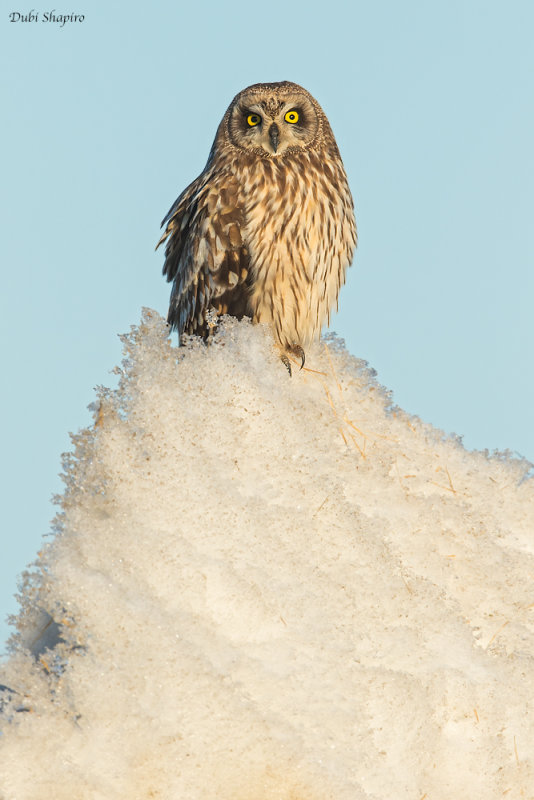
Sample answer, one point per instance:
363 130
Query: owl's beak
274 136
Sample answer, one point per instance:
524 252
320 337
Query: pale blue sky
106 121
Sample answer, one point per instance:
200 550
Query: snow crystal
272 588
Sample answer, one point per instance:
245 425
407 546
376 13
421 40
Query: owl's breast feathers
301 235
269 238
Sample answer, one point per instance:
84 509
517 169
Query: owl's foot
286 362
295 350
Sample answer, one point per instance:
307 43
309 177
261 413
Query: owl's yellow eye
253 119
292 116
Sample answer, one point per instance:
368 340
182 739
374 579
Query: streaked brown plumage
267 230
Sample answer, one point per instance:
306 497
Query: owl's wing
205 255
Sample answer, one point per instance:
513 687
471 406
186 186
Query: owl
267 230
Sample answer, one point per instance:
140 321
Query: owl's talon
299 353
287 364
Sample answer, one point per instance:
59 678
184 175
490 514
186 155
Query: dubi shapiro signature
45 16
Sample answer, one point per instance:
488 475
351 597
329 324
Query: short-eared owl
267 230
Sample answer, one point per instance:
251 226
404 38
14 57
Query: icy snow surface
273 588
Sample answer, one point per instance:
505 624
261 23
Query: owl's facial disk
272 125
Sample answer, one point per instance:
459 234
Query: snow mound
272 588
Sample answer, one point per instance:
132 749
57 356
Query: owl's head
271 119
